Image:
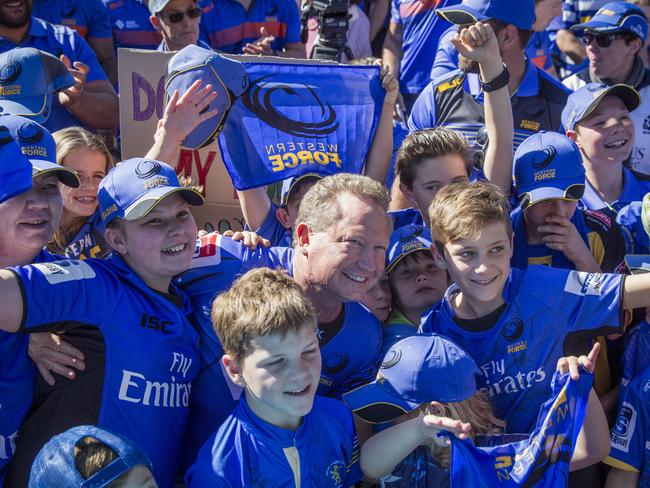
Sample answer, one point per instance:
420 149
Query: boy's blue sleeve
630 432
71 291
208 470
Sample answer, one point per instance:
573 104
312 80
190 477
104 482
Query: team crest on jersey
513 330
581 283
335 473
207 251
624 428
62 271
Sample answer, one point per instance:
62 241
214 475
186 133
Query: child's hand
388 83
249 239
561 235
572 364
478 43
431 425
183 112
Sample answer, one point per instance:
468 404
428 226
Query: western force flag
294 119
542 460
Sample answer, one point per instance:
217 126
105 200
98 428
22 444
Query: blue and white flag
542 460
294 119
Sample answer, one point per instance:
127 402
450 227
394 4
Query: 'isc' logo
155 323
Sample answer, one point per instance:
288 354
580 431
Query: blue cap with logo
548 165
227 77
29 79
134 187
582 102
289 184
415 370
406 240
616 17
37 144
15 170
520 13
54 465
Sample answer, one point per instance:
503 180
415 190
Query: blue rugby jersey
636 354
88 242
16 383
88 17
636 238
549 313
141 358
635 186
248 451
630 437
421 30
131 25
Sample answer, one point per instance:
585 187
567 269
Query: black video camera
333 20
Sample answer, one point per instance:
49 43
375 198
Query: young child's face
480 267
293 203
431 175
281 375
537 213
608 133
418 282
378 299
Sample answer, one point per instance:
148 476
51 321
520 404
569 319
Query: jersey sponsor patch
581 283
62 271
207 251
624 428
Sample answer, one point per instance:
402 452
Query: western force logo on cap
392 358
28 136
548 154
416 232
9 74
147 170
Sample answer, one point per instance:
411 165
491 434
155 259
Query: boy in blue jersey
515 324
629 456
597 118
432 158
415 279
548 227
116 311
280 434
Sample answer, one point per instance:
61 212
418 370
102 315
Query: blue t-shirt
131 25
88 17
630 438
636 238
16 383
421 29
228 27
634 189
57 40
518 355
247 451
144 396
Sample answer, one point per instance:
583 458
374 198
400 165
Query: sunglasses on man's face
603 40
176 17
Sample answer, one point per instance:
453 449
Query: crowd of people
472 307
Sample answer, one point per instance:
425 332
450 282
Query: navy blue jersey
16 383
150 353
636 354
550 313
88 242
630 438
248 451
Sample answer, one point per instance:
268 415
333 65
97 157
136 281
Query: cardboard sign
142 99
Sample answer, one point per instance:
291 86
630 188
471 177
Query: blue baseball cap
520 13
548 165
54 465
134 187
227 77
415 370
406 240
37 144
29 78
616 17
582 102
290 183
15 170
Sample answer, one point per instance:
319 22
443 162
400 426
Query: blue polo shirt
227 26
421 30
57 40
88 17
529 117
634 189
131 25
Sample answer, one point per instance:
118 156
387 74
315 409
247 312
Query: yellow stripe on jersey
596 247
293 458
615 463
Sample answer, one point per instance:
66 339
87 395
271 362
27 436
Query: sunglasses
574 192
176 17
603 40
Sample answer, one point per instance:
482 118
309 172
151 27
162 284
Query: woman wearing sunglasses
177 21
